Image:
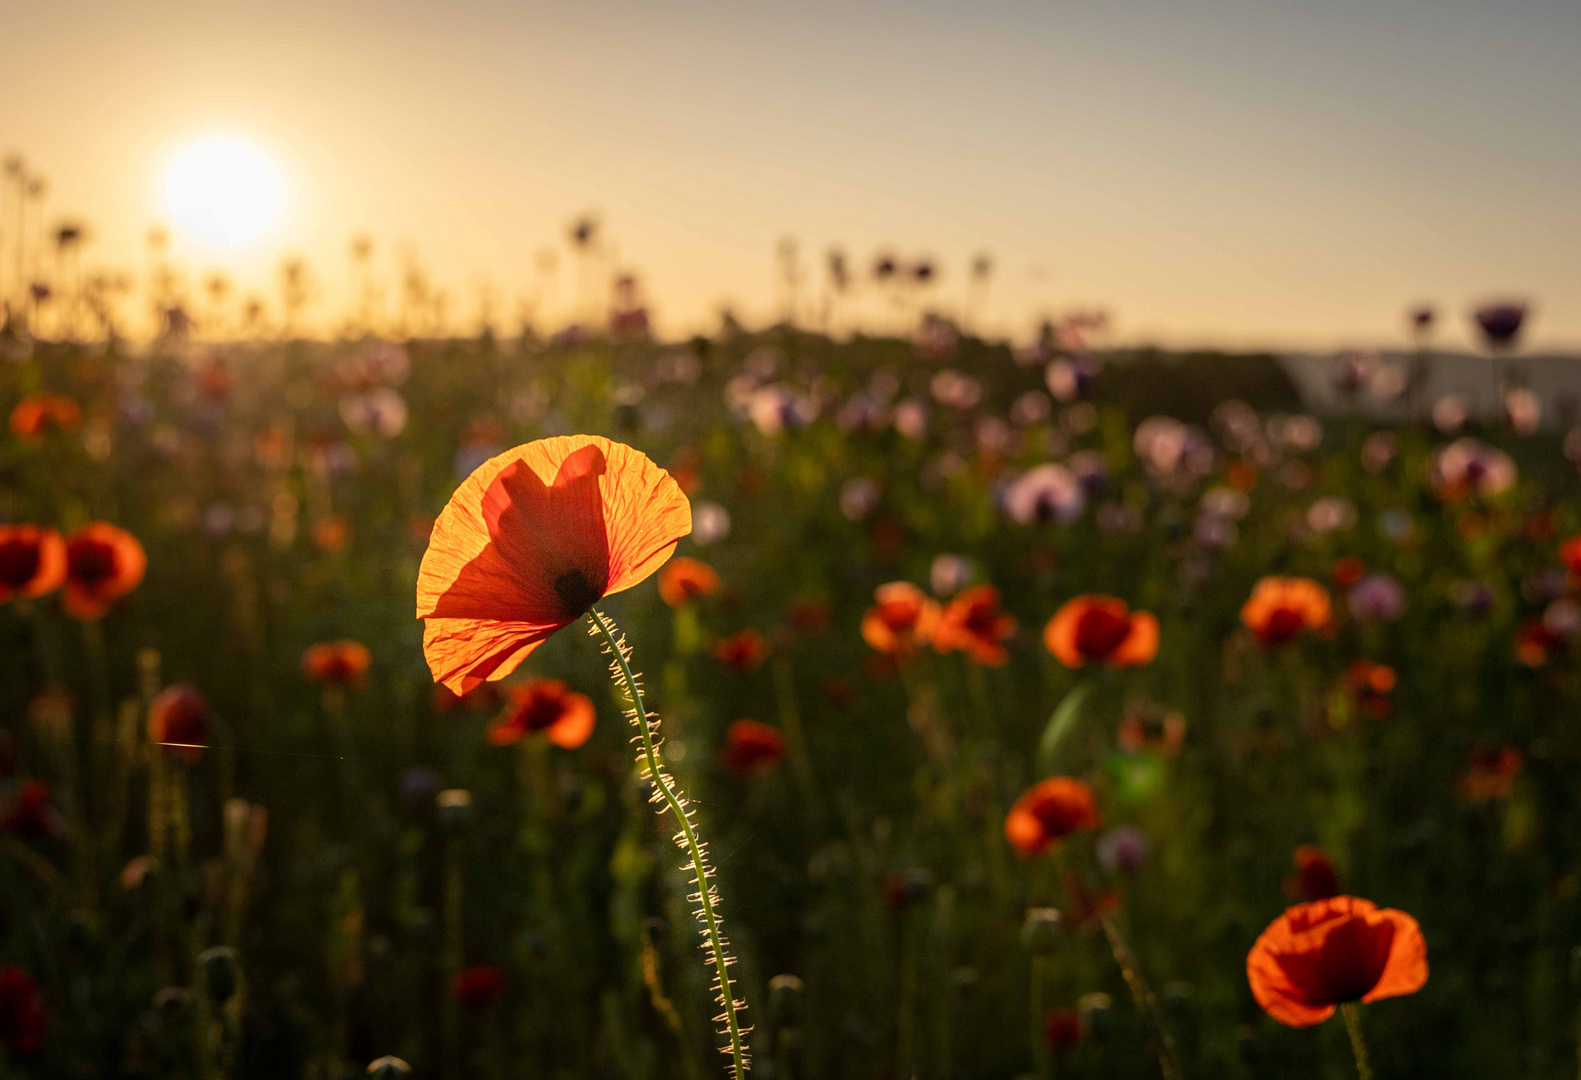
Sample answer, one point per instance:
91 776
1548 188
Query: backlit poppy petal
1406 970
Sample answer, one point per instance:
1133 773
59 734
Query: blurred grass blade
1061 723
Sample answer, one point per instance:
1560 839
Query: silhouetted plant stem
1040 1048
1146 1003
667 795
1358 1045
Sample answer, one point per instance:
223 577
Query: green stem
1358 1045
1146 1003
1040 1047
686 839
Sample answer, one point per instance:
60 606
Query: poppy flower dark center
541 711
90 562
1099 632
1346 965
19 561
1059 817
982 620
899 617
576 592
1282 625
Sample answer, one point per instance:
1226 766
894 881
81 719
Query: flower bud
1097 1012
221 973
1040 934
455 808
389 1068
784 1000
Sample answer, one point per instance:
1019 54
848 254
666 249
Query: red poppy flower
1063 1029
29 816
38 414
1347 571
32 561
744 651
1103 630
685 579
545 705
752 747
1492 773
973 623
477 986
103 564
810 616
1332 952
1281 607
1536 643
1570 555
1315 878
902 619
1370 685
1047 812
530 541
337 663
24 1021
178 722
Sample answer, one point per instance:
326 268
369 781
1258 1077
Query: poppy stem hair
666 795
1358 1046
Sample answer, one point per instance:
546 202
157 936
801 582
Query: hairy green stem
1358 1045
686 839
1146 1003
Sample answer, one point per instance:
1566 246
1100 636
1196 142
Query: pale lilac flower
911 419
859 497
710 523
1330 514
1123 849
950 574
1467 466
1048 492
1376 598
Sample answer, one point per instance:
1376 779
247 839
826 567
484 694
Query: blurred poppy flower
1569 554
28 814
1500 322
337 663
530 541
1468 467
331 534
1103 630
32 561
1151 727
24 1021
1492 773
477 986
1536 643
1063 1029
1281 607
1315 877
1370 685
1333 952
810 616
685 579
744 651
1348 570
36 415
179 721
545 705
972 623
752 747
1047 812
902 619
103 564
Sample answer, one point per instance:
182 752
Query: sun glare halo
224 191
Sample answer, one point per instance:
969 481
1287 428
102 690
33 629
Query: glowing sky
1222 172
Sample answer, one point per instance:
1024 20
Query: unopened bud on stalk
221 973
784 1000
1041 932
1097 1013
455 808
388 1068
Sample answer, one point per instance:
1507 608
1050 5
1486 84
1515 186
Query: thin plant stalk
1146 1003
1358 1045
1040 1047
668 795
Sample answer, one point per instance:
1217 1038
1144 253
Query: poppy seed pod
784 1000
388 1067
1041 932
1097 1013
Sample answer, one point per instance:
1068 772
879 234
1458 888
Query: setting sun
224 192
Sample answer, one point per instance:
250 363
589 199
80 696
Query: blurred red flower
24 1021
547 705
1347 571
1101 629
28 814
1492 773
103 564
180 715
38 414
1281 607
903 618
337 663
1047 812
1063 1029
972 623
685 579
477 986
752 748
744 651
1332 952
530 541
1315 877
32 561
1536 643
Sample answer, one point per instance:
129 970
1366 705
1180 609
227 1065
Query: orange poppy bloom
685 579
1492 773
1281 607
546 705
1047 812
103 564
973 623
1332 952
903 618
752 747
530 541
744 651
32 561
337 663
1101 629
178 721
38 414
1316 878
